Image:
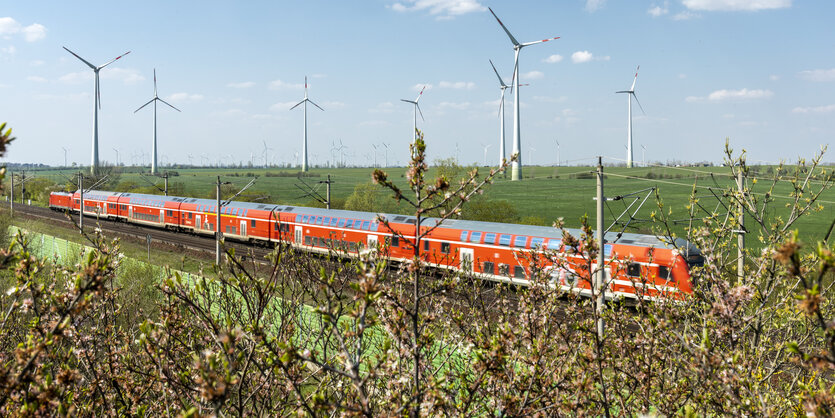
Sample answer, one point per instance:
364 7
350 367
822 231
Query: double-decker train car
636 265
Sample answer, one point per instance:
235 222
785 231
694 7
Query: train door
465 257
130 212
372 242
243 228
298 236
197 224
608 283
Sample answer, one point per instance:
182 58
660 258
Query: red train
636 264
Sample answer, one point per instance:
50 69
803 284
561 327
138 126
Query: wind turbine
503 87
516 166
387 153
65 156
266 148
94 164
417 110
486 147
154 101
304 101
630 94
643 155
117 156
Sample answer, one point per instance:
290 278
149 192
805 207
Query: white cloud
241 85
8 27
8 50
385 107
419 87
725 95
36 79
441 9
532 75
594 5
31 33
456 106
682 76
333 105
37 63
815 109
580 57
774 77
282 106
736 5
34 32
458 85
185 97
658 11
553 59
685 15
818 75
76 77
280 85
125 75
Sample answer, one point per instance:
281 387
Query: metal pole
81 201
217 225
740 239
23 187
166 182
601 242
11 198
328 193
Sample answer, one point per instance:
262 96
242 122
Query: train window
554 244
464 235
504 269
304 220
374 226
633 270
341 223
307 240
395 241
445 247
475 237
365 225
189 215
252 223
488 267
333 221
537 242
169 213
276 226
520 241
349 223
519 272
425 245
319 220
504 240
664 272
489 238
327 221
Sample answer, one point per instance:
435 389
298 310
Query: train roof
98 194
626 238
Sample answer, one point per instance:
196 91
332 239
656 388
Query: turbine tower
516 166
304 101
155 100
417 110
94 164
629 95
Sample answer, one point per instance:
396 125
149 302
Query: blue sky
761 72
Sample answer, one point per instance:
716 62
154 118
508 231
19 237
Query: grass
545 192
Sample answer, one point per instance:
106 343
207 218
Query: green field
545 194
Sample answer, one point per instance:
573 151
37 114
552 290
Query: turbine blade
623 91
501 82
501 105
113 60
146 104
515 70
421 113
512 39
408 101
314 104
539 42
169 104
155 83
639 103
420 94
82 59
635 80
297 104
